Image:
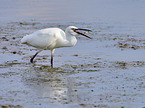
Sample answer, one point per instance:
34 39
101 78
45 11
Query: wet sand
105 72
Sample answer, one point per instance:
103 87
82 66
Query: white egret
51 38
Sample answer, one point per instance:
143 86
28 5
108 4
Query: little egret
51 38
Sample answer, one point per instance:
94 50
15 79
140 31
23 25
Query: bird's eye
74 29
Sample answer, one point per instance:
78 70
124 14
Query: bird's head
77 31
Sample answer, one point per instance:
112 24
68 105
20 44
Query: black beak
79 29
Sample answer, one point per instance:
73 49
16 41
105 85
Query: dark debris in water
27 23
125 65
98 66
49 69
131 43
10 63
85 67
94 106
11 106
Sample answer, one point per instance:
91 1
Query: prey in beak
82 32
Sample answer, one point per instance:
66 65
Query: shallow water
107 71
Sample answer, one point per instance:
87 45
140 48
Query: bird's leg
31 60
52 51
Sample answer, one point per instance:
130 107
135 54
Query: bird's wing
45 38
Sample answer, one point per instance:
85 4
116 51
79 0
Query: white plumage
51 38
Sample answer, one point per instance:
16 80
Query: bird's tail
24 40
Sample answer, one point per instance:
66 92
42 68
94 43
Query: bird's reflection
53 86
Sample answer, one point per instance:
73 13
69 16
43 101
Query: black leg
52 51
51 62
31 60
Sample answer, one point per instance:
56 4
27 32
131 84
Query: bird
52 38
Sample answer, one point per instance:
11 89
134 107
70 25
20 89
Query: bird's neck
71 39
